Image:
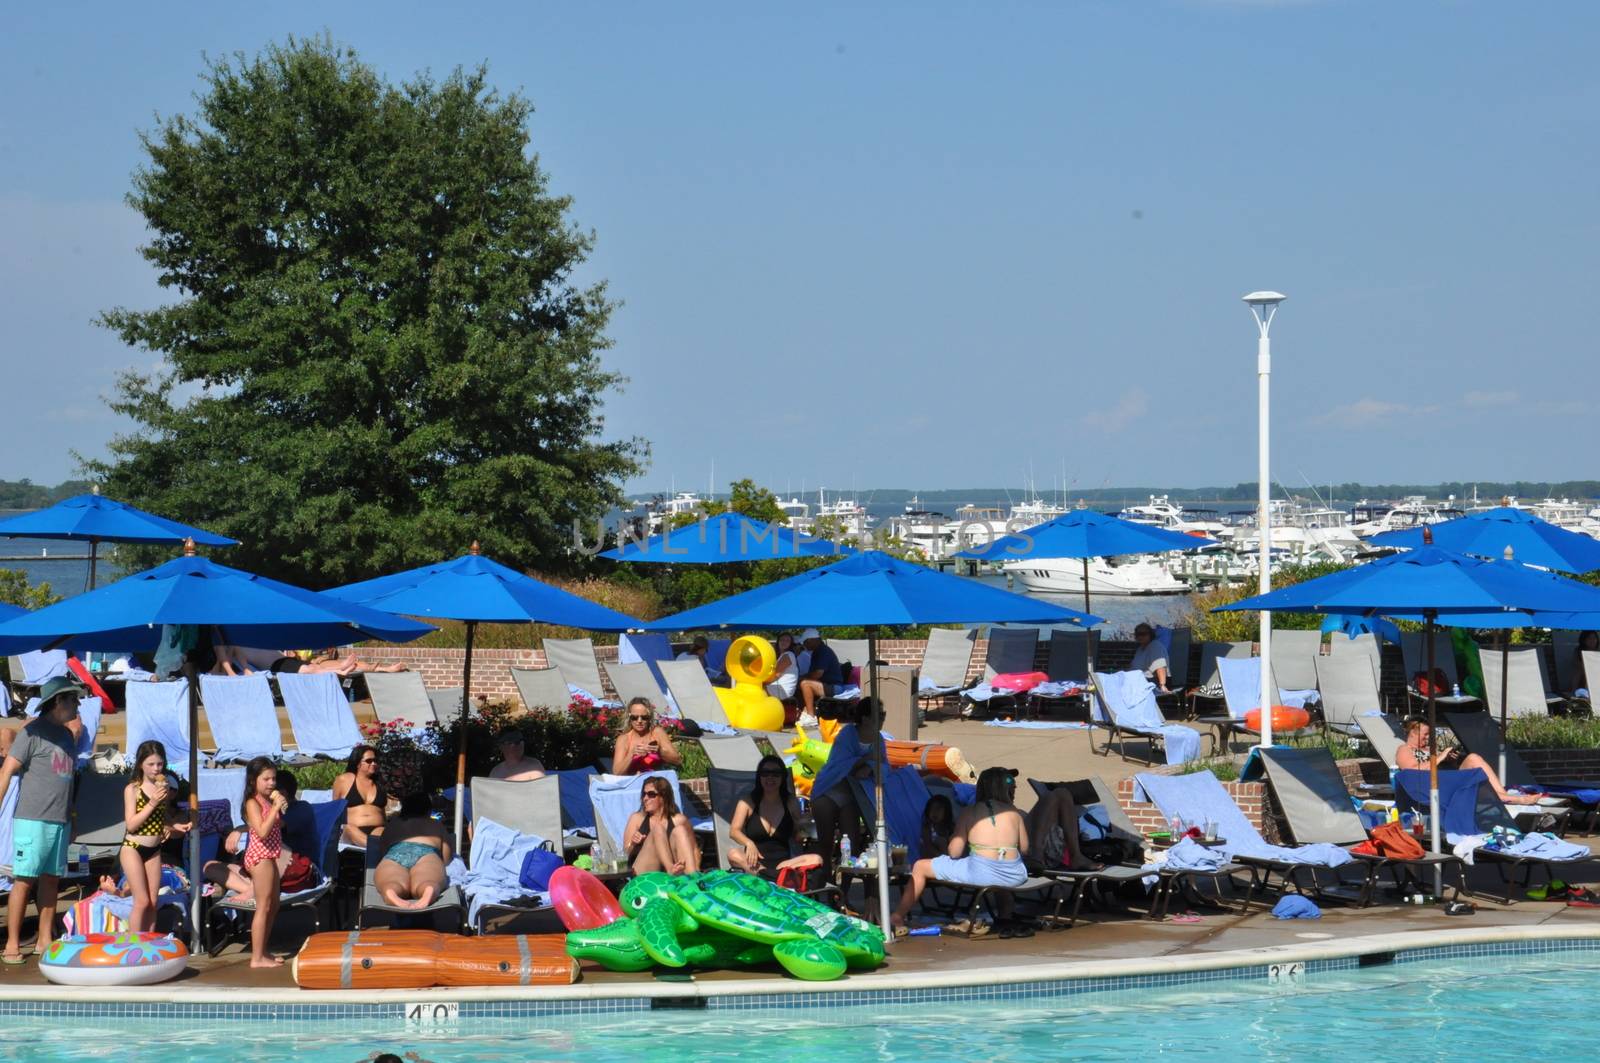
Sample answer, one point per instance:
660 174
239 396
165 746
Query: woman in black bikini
658 837
764 821
367 802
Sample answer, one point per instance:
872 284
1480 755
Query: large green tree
380 352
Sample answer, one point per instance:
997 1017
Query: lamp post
1263 307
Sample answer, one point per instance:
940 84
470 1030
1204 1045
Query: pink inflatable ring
581 900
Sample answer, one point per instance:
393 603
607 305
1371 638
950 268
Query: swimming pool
1454 1007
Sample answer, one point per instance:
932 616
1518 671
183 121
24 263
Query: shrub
1246 627
1554 732
318 776
1226 769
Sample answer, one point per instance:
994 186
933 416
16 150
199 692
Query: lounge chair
1066 669
372 901
1294 658
727 786
30 671
648 650
542 688
1349 690
945 660
319 715
446 702
1317 808
849 651
1095 799
1527 687
1479 733
1471 809
717 657
532 810
1564 652
1591 671
1124 704
1199 797
693 693
1011 650
1178 642
616 797
1362 645
160 711
98 813
577 812
1384 734
734 753
1209 688
1414 652
576 659
225 784
400 697
243 717
1241 692
228 920
638 681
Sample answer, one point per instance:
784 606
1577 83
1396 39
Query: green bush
1246 627
1554 732
1226 769
1340 747
318 776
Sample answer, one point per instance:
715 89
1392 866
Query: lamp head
1265 299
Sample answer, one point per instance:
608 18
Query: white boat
1138 574
796 514
662 512
846 515
1162 512
930 532
1035 511
977 526
1310 533
1374 518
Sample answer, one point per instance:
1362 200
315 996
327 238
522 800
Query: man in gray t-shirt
42 758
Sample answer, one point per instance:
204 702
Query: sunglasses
646 718
769 774
652 793
369 760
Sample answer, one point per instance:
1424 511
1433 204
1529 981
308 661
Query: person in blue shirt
824 678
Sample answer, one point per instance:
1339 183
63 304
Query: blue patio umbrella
476 590
244 609
723 538
1083 533
1436 586
1490 533
872 590
7 610
95 519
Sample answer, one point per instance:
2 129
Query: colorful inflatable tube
114 959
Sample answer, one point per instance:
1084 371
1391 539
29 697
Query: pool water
1530 1005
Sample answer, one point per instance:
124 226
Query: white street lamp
1264 306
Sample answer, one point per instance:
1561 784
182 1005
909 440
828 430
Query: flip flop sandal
1583 898
901 931
13 961
1186 917
1460 908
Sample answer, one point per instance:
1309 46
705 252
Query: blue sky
928 245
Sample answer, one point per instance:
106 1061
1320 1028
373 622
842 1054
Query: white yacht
1139 574
978 526
846 514
796 514
1374 518
1162 512
930 532
1308 532
1035 511
660 512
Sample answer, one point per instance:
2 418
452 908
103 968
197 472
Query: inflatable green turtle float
723 919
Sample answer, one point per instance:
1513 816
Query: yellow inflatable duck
751 661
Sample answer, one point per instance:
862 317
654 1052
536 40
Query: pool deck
1106 946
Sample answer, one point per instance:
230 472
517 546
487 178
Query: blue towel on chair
496 869
1189 855
904 797
1132 700
1546 847
243 718
616 797
577 813
1458 796
320 714
159 711
1199 797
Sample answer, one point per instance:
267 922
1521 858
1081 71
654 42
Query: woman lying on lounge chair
412 871
986 849
1414 755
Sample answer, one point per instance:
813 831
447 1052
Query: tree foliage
379 353
1246 626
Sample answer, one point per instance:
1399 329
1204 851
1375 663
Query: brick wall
1563 765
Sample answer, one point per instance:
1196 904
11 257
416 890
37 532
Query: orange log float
930 758
525 959
368 959
1284 718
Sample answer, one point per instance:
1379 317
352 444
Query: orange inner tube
1284 718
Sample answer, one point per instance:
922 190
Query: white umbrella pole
882 826
1436 815
461 733
1088 632
1505 667
195 879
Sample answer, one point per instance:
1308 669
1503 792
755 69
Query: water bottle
83 861
844 850
1455 690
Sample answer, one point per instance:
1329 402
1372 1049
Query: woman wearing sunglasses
658 837
643 745
368 800
765 821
